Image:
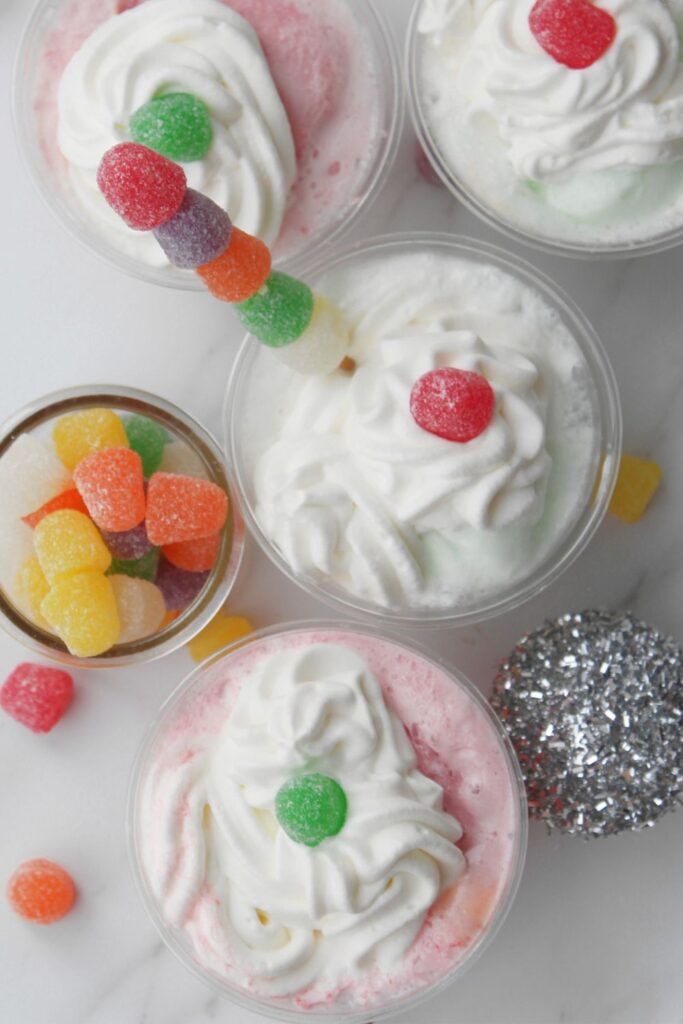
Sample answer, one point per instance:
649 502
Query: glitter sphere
593 705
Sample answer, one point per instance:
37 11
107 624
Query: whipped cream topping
282 915
625 111
201 47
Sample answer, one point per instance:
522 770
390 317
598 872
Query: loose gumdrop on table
82 611
140 606
112 486
311 808
240 270
179 587
41 891
30 587
129 545
194 555
197 234
221 631
143 187
67 542
177 125
144 568
456 405
636 486
279 312
70 498
81 433
37 695
148 438
181 508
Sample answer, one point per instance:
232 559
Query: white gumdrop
178 457
322 346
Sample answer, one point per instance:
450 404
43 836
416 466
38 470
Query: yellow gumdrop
222 630
88 431
140 606
30 587
82 611
636 486
67 542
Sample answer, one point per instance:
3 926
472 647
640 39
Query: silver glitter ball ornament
593 705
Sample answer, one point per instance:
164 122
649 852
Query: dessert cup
204 454
324 201
479 776
264 400
631 207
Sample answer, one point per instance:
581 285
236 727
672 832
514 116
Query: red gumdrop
454 404
67 499
112 486
36 695
575 33
143 187
181 508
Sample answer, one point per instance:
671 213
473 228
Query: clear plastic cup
36 419
466 191
196 690
49 172
251 370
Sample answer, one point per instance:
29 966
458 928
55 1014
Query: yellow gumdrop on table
82 611
220 632
85 432
636 486
67 542
140 606
30 588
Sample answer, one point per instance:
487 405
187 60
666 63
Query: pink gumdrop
37 695
143 187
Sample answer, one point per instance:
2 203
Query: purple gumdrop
197 234
129 545
178 586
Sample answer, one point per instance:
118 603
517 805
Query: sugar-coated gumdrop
112 487
143 187
36 695
183 508
143 568
68 542
240 270
30 587
311 808
129 545
324 343
67 499
575 33
84 432
221 631
148 438
82 611
180 458
278 313
140 606
177 125
41 891
197 234
636 486
194 555
454 404
178 586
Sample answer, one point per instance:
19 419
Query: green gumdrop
176 125
148 439
311 808
144 568
279 312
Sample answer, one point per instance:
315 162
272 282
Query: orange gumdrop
181 508
41 891
194 555
112 486
240 271
67 499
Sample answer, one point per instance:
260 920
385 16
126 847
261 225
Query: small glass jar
37 418
189 705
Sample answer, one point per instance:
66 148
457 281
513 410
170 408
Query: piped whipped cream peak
284 914
624 111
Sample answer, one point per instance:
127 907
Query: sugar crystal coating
41 891
129 544
140 605
279 312
112 486
177 125
180 458
82 610
37 695
90 430
148 438
67 542
311 808
179 587
197 234
324 343
240 270
181 508
143 568
194 555
143 187
576 33
456 405
67 499
30 587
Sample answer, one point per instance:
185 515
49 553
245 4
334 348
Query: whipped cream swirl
624 111
202 47
283 915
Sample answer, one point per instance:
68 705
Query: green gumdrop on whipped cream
311 808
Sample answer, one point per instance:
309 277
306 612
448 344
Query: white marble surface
596 934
